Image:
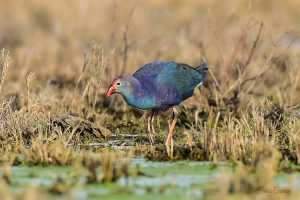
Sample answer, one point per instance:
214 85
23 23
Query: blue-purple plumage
169 81
161 85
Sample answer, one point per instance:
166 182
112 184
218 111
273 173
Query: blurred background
50 38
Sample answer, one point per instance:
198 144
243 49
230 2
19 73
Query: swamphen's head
121 85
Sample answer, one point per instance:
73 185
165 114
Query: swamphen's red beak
112 89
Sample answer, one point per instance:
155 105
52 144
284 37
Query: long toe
153 130
149 127
151 139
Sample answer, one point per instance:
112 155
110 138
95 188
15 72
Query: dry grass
55 89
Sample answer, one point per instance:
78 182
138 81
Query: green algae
148 180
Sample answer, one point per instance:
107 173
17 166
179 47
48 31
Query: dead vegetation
237 106
59 58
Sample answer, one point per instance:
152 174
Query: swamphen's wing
180 76
147 74
150 70
169 81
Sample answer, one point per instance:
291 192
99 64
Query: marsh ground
59 57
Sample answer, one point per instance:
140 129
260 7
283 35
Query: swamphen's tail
202 69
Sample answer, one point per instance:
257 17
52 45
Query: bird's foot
151 138
153 130
169 148
152 122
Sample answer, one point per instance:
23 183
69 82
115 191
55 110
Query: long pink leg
152 121
150 135
172 126
149 124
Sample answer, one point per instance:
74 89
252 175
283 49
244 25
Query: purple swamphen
159 86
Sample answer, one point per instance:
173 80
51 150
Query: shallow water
159 180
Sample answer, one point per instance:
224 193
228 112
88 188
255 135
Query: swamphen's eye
118 83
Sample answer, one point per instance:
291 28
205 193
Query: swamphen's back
169 82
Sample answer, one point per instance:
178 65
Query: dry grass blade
241 79
254 46
5 61
30 77
77 126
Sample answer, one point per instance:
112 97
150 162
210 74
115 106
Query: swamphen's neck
137 96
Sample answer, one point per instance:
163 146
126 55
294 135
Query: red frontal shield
112 89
